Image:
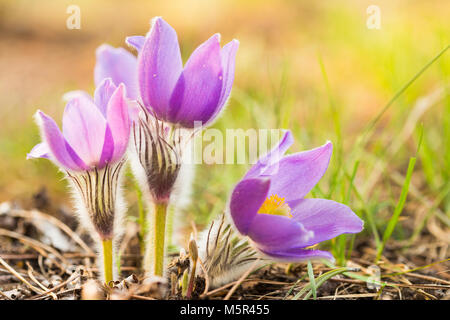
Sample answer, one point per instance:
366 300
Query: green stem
159 237
142 221
107 260
169 230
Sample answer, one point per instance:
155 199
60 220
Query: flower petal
39 151
119 65
136 42
59 149
84 129
159 67
326 218
74 94
228 54
103 93
197 93
298 255
108 149
134 109
119 121
272 157
246 199
273 232
295 175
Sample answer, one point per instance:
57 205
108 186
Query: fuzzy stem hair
98 197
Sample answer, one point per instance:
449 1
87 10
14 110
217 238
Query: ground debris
60 265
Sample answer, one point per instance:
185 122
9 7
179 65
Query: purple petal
228 54
74 94
84 129
103 93
134 110
136 42
108 149
119 122
267 161
273 232
197 93
119 65
295 175
326 218
246 199
159 67
57 145
298 255
39 151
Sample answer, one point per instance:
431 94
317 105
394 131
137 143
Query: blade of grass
357 276
350 247
351 181
294 285
320 280
427 157
346 201
312 281
398 209
337 128
370 220
415 269
341 242
377 118
364 137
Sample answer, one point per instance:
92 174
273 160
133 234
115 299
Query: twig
4 296
428 295
34 214
74 276
212 292
34 243
18 276
135 296
32 277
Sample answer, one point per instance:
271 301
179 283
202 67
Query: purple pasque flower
180 95
269 207
95 131
90 150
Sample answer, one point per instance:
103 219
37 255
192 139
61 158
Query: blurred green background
311 66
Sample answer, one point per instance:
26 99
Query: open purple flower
269 207
95 131
90 150
180 95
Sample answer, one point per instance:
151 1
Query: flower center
276 206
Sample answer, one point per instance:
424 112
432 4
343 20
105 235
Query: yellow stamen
276 206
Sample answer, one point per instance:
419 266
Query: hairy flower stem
158 239
107 260
169 227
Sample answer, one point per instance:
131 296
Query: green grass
398 209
